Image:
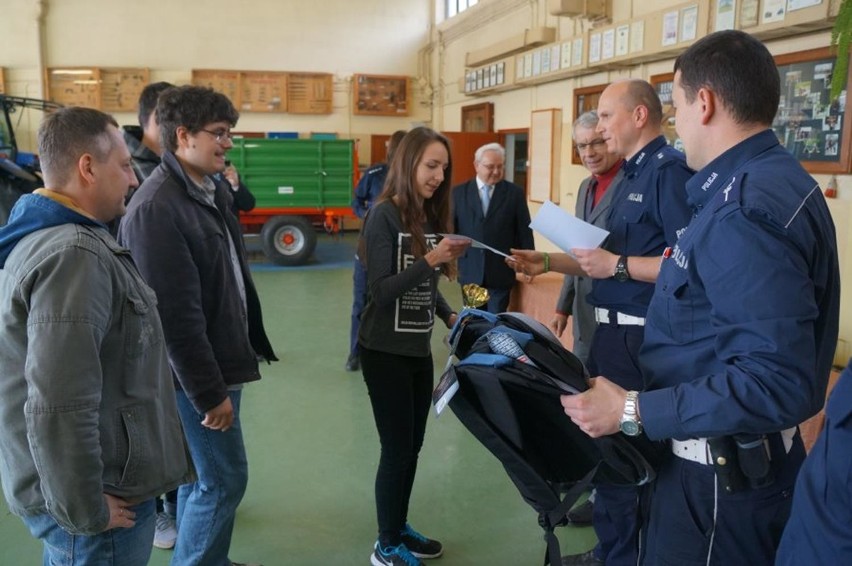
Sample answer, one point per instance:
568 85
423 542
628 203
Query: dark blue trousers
694 522
614 354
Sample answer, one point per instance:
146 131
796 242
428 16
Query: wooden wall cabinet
478 117
381 95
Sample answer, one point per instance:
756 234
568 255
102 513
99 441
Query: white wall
171 38
341 37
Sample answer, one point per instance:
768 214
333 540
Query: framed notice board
585 100
815 129
226 82
107 89
382 95
120 89
263 91
309 93
664 84
545 137
270 91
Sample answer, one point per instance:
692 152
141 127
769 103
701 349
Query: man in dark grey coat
493 211
593 201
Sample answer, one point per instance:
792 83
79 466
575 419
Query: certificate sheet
566 230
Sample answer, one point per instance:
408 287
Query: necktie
591 197
485 196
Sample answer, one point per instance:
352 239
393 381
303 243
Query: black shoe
419 545
393 556
353 362
585 559
582 514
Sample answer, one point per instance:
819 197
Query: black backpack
505 389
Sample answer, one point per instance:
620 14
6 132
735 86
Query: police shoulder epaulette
665 158
730 194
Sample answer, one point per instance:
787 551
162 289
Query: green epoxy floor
313 450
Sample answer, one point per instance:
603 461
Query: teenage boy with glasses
188 246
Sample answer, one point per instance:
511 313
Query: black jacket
507 225
180 244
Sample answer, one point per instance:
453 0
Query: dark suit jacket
572 299
507 225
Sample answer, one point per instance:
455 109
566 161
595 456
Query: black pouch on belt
753 456
723 450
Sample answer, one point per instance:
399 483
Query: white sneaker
165 533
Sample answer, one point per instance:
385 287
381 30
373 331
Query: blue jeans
207 507
115 547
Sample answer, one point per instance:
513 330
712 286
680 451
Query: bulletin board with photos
814 128
664 84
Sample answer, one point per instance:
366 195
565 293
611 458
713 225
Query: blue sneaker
419 545
393 556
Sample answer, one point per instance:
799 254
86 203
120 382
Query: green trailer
301 185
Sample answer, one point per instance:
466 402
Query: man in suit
593 202
493 211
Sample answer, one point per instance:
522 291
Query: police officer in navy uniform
820 527
648 212
369 188
741 331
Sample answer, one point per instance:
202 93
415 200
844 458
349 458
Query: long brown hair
400 188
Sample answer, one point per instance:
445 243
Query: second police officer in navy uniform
741 331
649 211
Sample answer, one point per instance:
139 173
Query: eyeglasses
591 145
221 136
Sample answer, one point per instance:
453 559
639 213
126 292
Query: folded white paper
474 243
565 230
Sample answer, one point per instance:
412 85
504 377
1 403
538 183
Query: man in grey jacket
593 201
89 430
592 205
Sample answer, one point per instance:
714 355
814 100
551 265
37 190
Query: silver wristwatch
630 423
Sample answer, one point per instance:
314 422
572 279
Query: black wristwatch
621 274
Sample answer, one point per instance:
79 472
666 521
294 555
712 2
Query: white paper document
474 243
566 230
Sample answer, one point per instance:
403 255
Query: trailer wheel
288 240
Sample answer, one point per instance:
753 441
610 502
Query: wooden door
462 147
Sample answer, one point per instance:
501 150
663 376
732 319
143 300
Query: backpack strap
559 516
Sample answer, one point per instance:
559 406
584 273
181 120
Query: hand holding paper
474 243
565 230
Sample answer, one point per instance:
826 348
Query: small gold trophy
474 296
